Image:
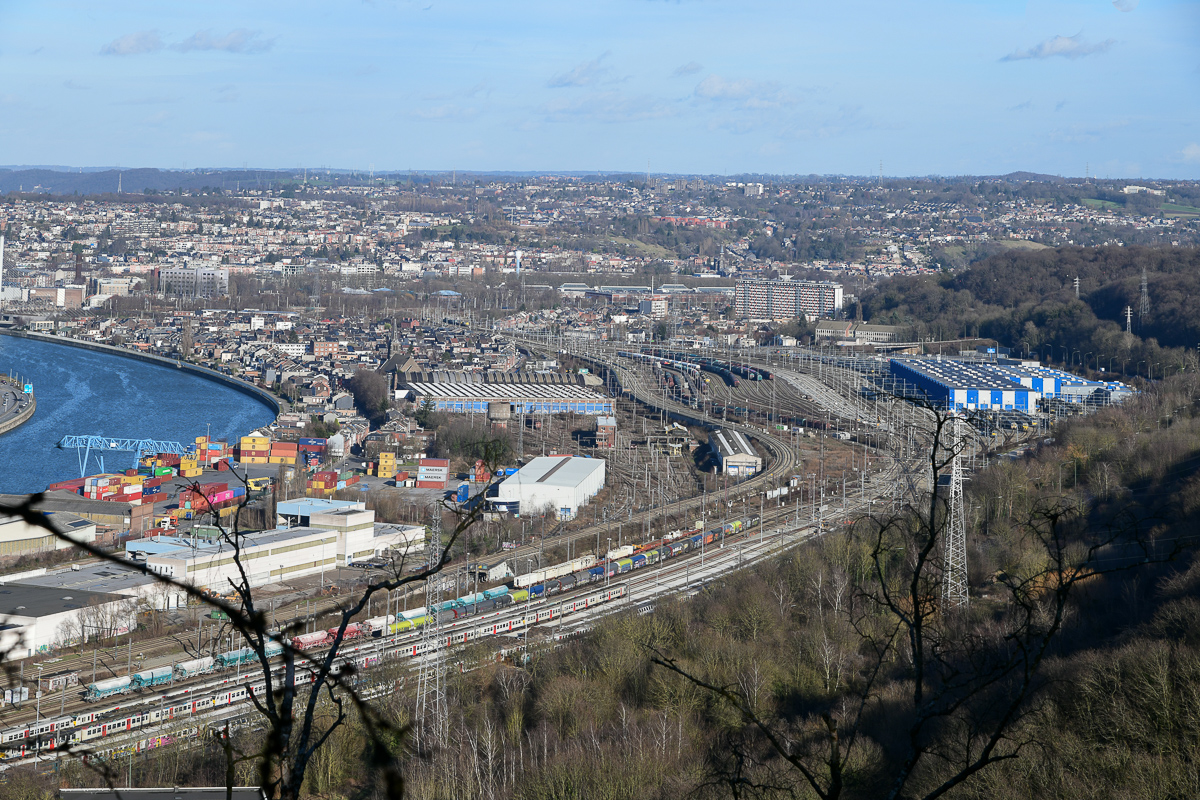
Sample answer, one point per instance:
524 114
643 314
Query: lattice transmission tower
1144 302
954 573
432 714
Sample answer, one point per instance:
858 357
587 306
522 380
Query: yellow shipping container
255 442
281 460
254 460
191 473
201 440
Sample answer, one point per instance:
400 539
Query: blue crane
103 444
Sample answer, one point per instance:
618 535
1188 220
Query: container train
53 733
568 575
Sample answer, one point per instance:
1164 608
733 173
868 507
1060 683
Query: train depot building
562 484
525 393
1001 385
734 454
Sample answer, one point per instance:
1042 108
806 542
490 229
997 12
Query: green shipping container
160 472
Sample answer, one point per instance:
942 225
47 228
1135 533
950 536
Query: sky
707 87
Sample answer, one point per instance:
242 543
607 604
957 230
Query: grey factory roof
504 391
63 521
732 443
569 471
102 577
259 539
61 500
28 600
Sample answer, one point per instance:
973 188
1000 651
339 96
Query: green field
1022 244
1177 209
651 250
1095 203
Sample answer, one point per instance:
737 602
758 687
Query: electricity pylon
432 713
954 573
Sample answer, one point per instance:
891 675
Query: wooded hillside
1026 300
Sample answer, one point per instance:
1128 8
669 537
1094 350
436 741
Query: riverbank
278 405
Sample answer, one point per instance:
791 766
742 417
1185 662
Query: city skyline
672 88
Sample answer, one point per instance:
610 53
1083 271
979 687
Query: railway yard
662 525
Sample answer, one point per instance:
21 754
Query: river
85 392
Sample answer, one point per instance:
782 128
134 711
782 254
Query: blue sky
691 86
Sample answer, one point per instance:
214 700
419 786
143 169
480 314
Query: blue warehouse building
957 385
998 386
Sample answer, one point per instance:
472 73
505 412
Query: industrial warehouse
40 618
545 394
1006 385
562 484
48 609
333 538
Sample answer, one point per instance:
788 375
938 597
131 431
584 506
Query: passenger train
91 726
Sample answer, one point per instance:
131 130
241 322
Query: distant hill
1035 177
56 181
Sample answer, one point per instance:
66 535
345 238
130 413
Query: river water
85 392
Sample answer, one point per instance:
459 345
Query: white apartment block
762 298
194 281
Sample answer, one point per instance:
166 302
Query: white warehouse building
331 539
562 484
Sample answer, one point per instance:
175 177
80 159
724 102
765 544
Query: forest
1026 301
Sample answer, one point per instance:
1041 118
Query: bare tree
304 697
934 695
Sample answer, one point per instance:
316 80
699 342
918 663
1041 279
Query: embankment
237 384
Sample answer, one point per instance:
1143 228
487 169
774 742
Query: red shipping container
431 484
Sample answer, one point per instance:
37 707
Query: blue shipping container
464 492
510 471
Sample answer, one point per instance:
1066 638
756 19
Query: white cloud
744 92
1125 5
134 44
1064 46
690 68
1192 152
585 74
240 40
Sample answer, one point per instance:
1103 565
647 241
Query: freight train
568 575
87 727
